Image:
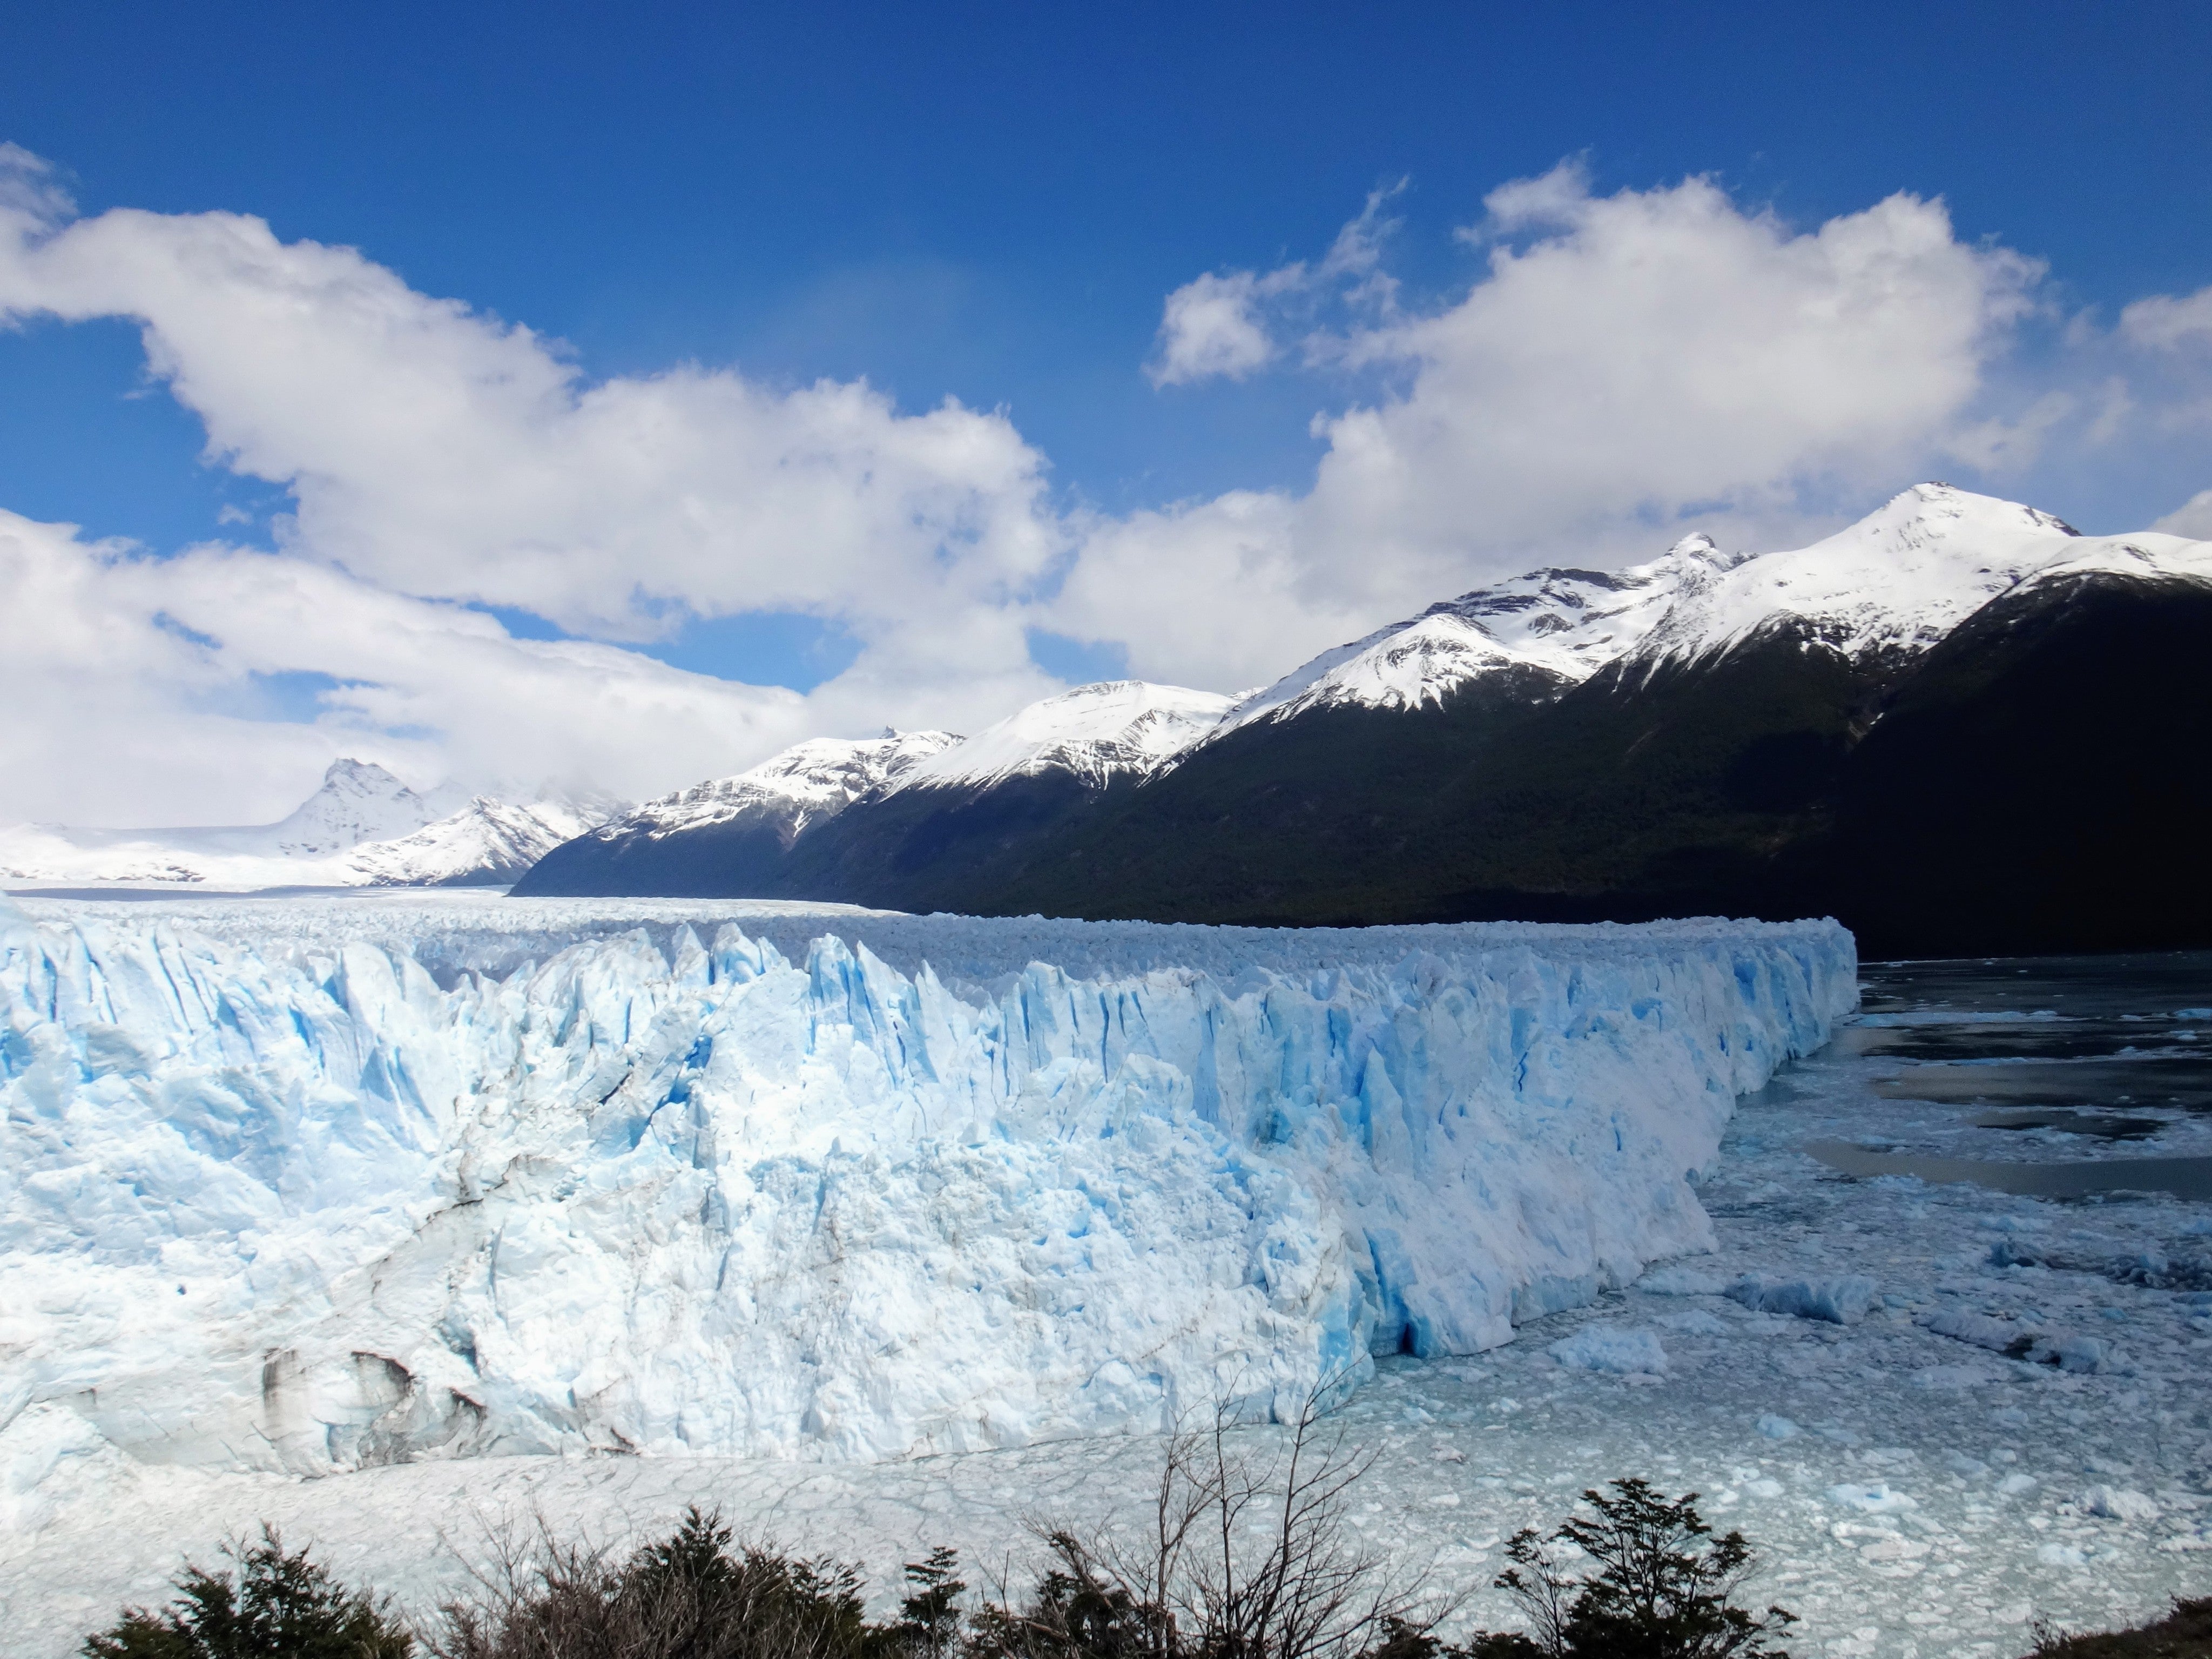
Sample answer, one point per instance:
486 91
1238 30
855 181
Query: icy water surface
2016 1418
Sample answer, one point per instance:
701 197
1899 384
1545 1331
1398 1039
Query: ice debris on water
1875 1499
2118 1503
2068 1351
1695 1322
1613 1348
1843 1300
1674 1279
547 1179
1778 1428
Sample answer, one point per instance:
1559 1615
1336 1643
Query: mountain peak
1898 580
358 801
347 772
1131 727
1936 509
792 788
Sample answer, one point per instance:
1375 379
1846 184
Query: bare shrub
1242 1556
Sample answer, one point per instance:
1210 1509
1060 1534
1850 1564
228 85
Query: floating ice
1838 1301
316 1186
1877 1499
1954 1376
2118 1503
1676 1280
1612 1348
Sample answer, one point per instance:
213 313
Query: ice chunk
1877 1499
440 1181
1778 1428
2071 1352
1674 1279
1614 1348
2003 1336
1839 1301
1952 1376
2118 1503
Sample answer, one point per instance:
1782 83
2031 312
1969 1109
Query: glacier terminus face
303 1186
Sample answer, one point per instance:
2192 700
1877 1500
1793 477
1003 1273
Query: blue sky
992 204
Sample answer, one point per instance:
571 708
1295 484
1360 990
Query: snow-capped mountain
362 827
487 841
805 784
1564 625
358 802
899 810
1897 581
1680 736
1118 728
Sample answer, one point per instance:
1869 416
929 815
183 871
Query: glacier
308 1185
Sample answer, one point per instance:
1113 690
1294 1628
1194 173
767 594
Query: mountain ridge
1680 737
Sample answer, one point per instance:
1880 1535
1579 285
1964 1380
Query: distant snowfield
361 828
735 1247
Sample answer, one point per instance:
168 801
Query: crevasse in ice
306 1190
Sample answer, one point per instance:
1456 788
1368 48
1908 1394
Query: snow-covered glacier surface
302 1186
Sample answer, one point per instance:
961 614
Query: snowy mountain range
1694 733
361 828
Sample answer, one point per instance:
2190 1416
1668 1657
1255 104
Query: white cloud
442 453
1622 367
2193 518
437 457
1227 325
2164 321
1644 355
123 675
1211 326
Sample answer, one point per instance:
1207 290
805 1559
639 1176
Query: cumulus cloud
443 452
1622 360
2164 321
133 686
2193 518
1211 326
438 457
1226 325
1618 369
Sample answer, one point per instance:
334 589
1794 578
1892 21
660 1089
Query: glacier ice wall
311 1185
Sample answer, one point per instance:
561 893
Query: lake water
2059 1077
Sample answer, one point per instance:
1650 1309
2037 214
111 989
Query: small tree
1664 1587
276 1604
694 1595
929 1621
